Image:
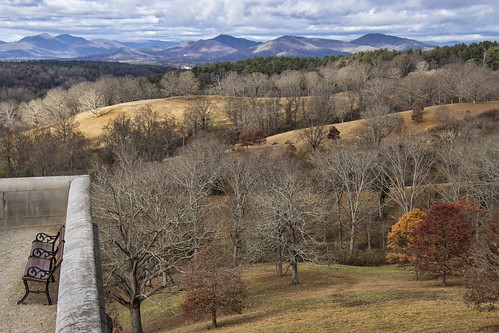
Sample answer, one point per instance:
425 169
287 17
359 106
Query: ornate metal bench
48 242
43 262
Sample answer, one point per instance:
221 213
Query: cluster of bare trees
333 205
455 82
59 104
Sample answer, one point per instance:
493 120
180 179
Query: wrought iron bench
43 262
48 242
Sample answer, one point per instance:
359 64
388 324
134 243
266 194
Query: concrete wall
33 201
53 200
80 306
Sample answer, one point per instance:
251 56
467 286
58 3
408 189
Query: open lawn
92 127
333 299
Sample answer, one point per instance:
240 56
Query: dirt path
35 316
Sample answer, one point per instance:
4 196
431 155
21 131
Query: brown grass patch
92 126
339 298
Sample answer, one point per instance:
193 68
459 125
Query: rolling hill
92 127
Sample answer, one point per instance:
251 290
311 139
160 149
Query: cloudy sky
175 20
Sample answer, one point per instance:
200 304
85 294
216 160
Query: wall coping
80 305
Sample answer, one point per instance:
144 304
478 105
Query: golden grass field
332 299
92 127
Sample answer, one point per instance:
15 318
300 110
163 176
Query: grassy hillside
350 130
333 299
91 126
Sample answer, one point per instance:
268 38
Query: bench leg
47 291
26 294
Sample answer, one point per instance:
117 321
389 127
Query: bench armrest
38 273
43 253
43 237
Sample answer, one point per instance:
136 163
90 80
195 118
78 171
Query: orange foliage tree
401 237
212 286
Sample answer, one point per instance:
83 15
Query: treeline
26 80
485 52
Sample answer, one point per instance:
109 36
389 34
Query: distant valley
220 48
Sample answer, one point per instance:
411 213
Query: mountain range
220 48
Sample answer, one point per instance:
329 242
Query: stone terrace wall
80 306
53 200
33 201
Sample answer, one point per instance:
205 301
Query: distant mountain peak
44 35
235 42
378 40
67 38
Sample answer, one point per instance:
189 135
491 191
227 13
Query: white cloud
187 19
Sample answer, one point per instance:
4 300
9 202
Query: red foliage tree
212 286
442 240
417 111
256 136
333 134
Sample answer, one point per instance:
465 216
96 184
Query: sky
434 21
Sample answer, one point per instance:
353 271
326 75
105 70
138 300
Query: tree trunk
444 280
238 221
279 261
214 317
352 237
278 265
340 224
135 319
294 271
369 233
165 279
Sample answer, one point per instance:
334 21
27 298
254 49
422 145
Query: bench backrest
60 253
61 232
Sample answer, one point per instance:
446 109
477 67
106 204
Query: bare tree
406 167
232 85
193 175
313 83
238 180
199 115
330 186
470 170
288 200
314 135
415 86
8 112
177 83
343 107
378 91
353 77
90 98
352 172
142 236
379 123
110 88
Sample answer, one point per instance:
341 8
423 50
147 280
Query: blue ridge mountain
220 48
381 41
